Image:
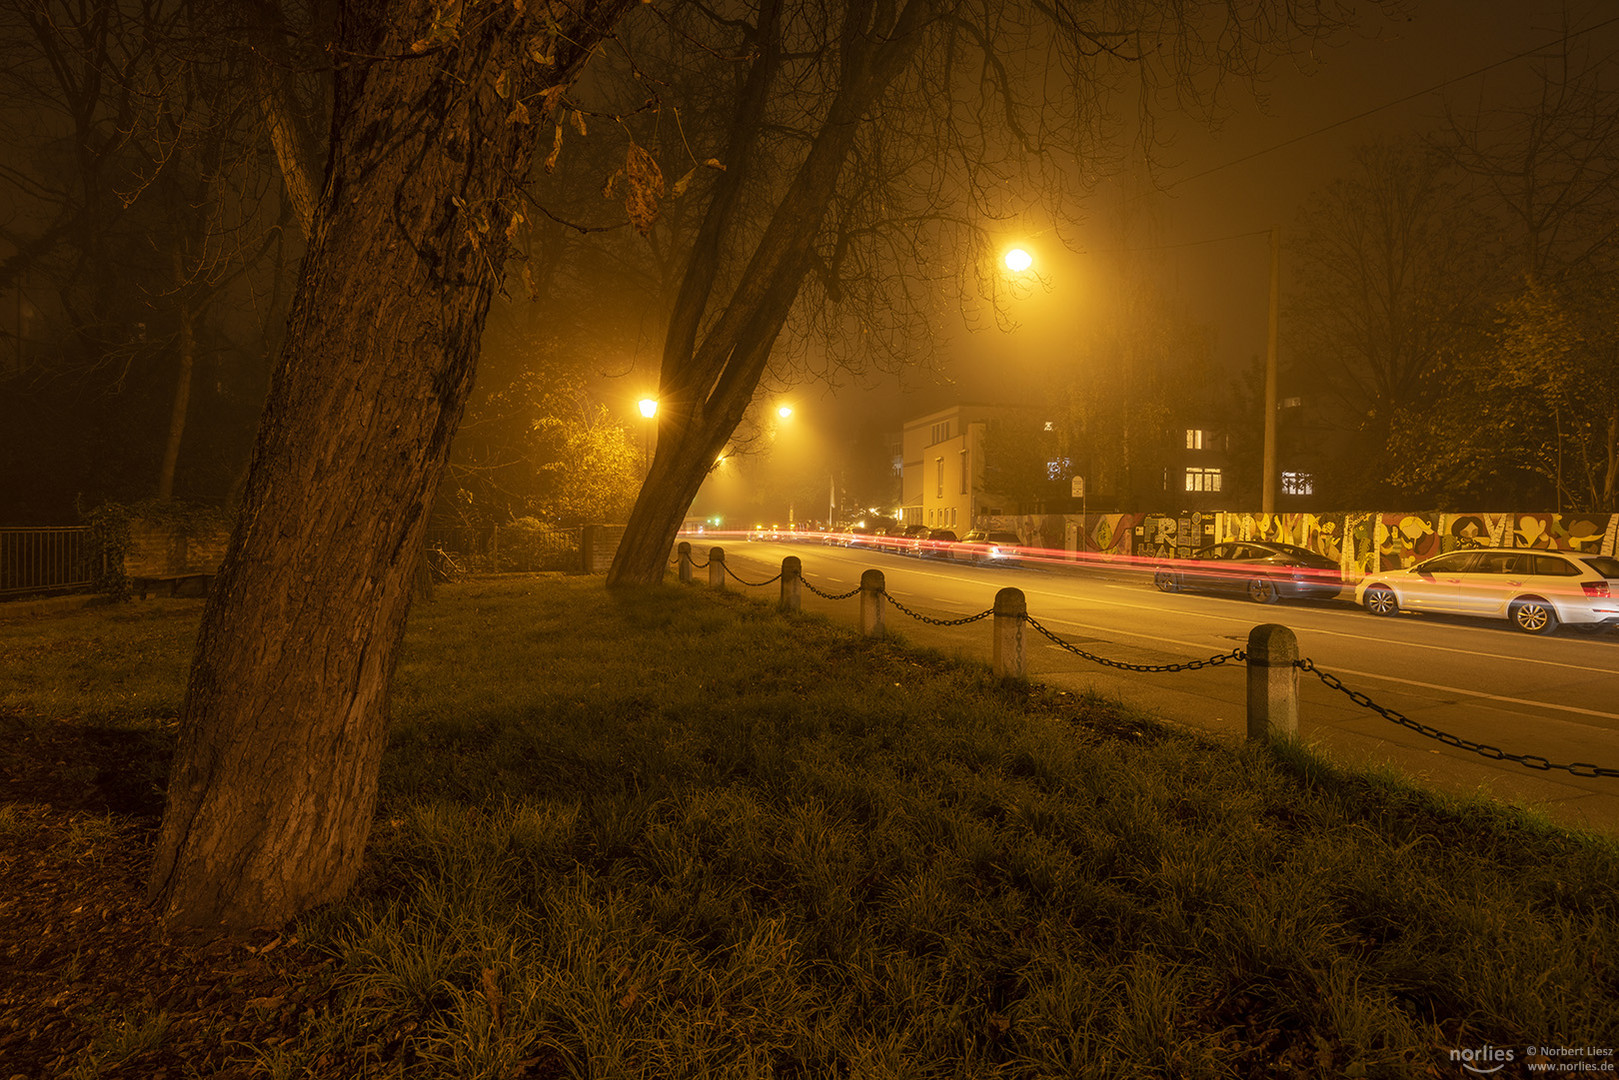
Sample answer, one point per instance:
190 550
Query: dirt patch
90 984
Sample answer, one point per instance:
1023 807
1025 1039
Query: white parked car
1534 589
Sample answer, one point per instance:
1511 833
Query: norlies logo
1484 1060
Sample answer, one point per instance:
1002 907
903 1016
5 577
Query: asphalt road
1556 697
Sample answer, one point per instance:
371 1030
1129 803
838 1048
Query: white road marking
1453 690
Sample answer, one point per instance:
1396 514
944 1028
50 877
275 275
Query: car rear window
1603 564
1307 557
1554 566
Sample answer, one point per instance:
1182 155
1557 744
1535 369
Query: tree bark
274 783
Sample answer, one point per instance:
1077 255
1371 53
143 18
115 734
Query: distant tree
1540 396
1530 417
1019 453
143 230
1547 163
538 447
1390 268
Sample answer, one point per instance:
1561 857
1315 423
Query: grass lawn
679 835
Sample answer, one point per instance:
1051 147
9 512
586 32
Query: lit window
1202 479
1194 440
939 462
1298 483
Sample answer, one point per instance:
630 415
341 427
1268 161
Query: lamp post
1267 495
649 410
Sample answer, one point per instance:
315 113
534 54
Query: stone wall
159 547
598 545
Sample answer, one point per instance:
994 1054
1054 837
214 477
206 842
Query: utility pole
1267 499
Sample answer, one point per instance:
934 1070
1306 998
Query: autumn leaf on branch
644 183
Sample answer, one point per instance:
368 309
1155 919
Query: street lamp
785 411
1018 260
649 410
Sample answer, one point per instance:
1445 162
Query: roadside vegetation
679 835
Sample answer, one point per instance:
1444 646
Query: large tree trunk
274 782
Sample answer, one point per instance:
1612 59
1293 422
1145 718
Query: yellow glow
649 407
1018 260
785 411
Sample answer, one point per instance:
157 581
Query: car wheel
1165 580
1380 600
1263 591
1533 616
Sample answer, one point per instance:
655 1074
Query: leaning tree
865 146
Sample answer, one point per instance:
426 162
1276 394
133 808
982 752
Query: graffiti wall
1362 543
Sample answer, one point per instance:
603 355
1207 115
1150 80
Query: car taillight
1595 588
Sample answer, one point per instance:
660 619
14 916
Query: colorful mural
1574 532
1362 543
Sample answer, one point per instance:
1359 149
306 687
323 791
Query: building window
941 431
964 473
1194 440
1298 483
1202 479
939 465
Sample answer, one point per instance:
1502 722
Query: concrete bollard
1273 683
1007 657
792 584
871 603
683 557
716 568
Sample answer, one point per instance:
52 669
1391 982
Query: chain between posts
1190 665
986 613
695 565
828 596
752 584
1528 761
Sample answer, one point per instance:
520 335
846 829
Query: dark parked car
909 542
980 546
1533 589
936 544
1262 571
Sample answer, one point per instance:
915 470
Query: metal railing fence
46 559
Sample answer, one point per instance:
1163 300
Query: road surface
1556 697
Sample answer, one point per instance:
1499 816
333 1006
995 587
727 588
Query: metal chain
1531 761
937 622
699 565
828 596
754 584
1190 665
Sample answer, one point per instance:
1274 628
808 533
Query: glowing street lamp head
649 407
785 411
1018 260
